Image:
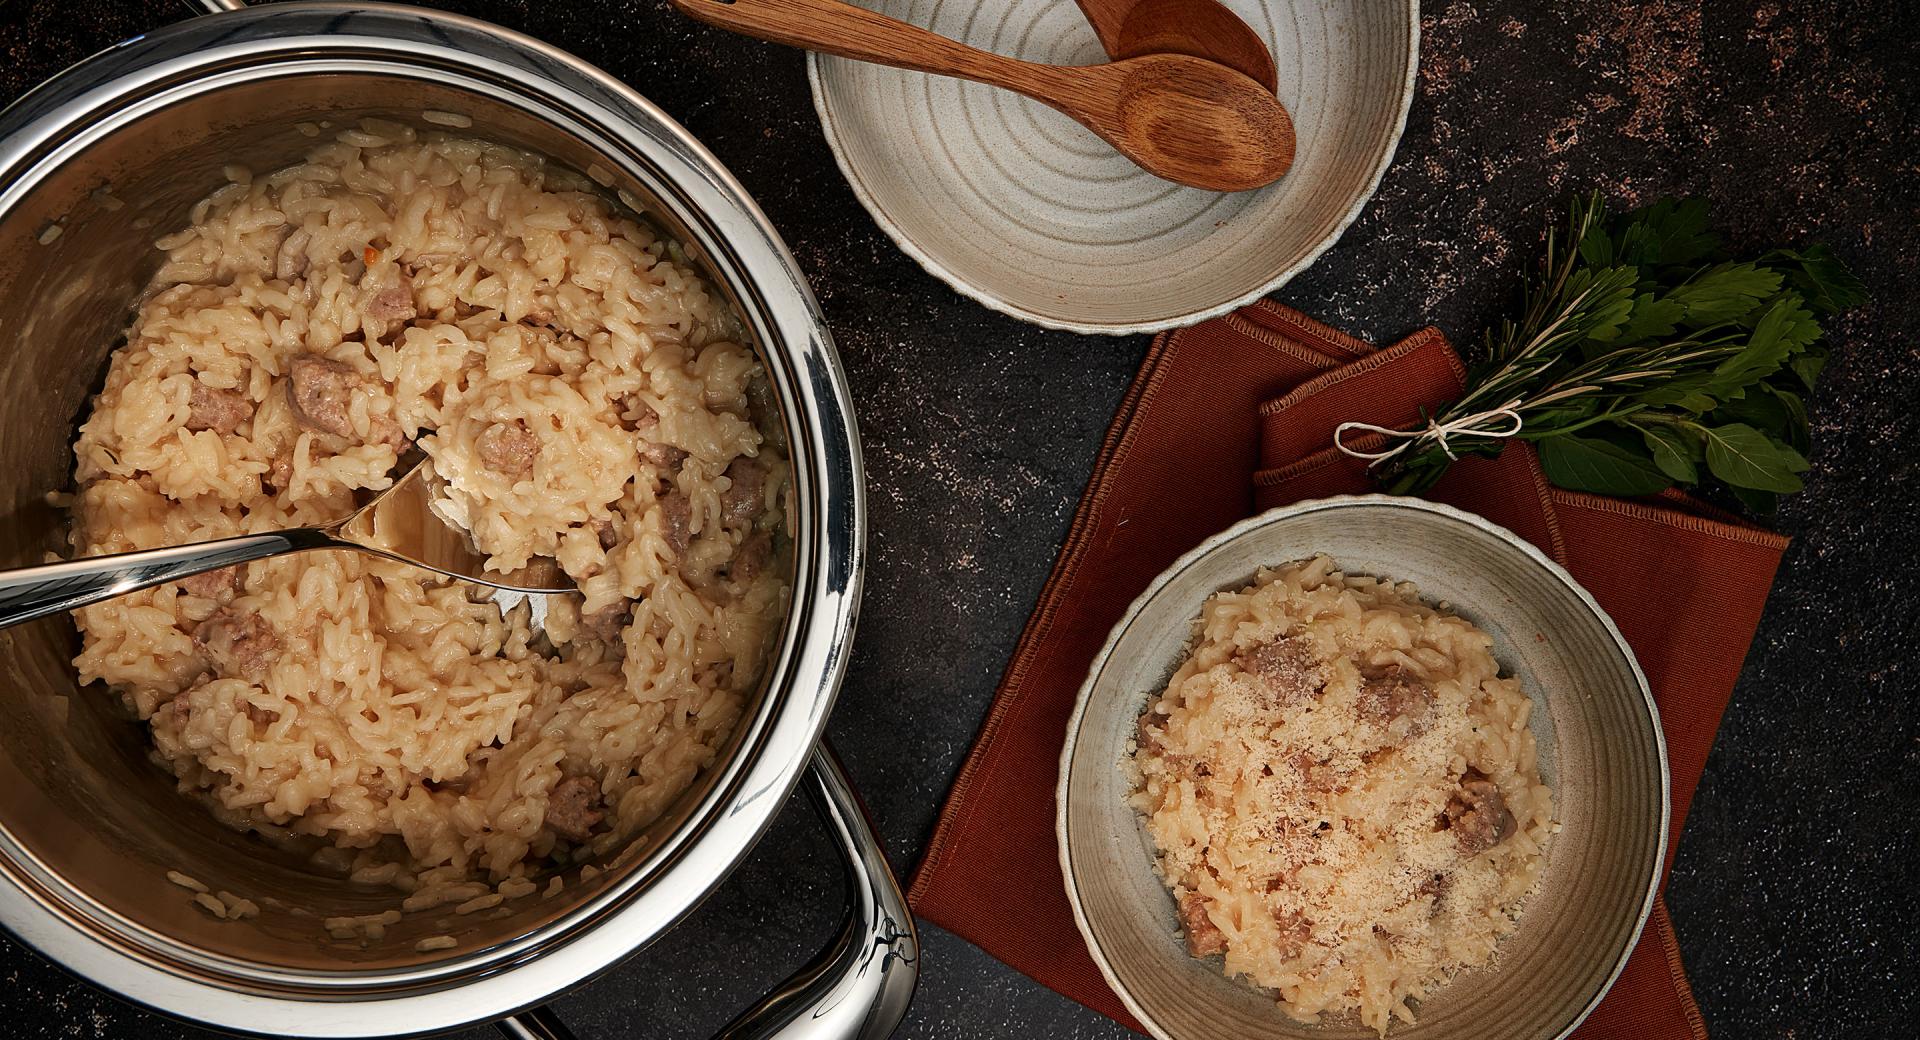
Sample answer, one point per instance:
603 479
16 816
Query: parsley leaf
1581 463
1746 458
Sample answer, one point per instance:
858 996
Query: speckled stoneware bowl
1026 211
1601 751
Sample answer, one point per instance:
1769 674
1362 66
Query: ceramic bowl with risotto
1593 722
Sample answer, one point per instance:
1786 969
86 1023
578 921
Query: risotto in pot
583 396
1343 792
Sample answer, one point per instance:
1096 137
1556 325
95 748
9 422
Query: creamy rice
581 391
1343 792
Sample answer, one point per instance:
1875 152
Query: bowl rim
830 129
1336 502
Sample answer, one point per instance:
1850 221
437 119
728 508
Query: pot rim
62 116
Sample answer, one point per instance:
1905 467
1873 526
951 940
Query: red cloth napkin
1237 415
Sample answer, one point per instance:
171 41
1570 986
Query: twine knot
1439 432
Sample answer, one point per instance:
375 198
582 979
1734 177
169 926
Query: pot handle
859 987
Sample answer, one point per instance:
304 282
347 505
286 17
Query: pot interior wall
77 789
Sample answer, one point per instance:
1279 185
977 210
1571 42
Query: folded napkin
1235 416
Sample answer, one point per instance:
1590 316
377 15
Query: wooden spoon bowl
1200 28
1181 119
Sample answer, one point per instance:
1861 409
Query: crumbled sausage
261 716
637 415
751 558
1399 702
508 448
279 475
1435 887
1316 775
1150 733
386 431
220 584
320 390
746 495
676 519
605 532
179 707
221 411
1288 669
573 810
1204 938
1295 932
609 621
239 643
1477 814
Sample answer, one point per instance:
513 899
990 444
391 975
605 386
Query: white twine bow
1437 431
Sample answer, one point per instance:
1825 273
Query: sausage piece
1316 775
745 497
1204 938
391 300
238 643
320 391
221 411
607 623
676 519
219 584
1288 669
637 415
1398 702
662 456
751 558
508 448
573 809
1477 814
604 532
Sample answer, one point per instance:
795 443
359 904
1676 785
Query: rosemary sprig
1644 357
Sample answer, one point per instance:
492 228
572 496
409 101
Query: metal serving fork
399 524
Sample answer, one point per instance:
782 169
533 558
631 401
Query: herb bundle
1644 358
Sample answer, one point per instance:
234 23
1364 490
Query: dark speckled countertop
1795 887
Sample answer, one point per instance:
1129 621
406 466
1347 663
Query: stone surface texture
1795 887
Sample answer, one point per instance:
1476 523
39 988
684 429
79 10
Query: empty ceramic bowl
1600 750
1026 211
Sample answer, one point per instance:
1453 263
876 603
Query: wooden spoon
1201 28
1179 117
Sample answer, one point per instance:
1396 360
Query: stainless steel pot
93 165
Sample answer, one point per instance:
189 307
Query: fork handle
34 592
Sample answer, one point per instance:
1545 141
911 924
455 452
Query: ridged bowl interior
1600 744
1026 211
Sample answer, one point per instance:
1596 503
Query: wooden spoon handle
834 27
